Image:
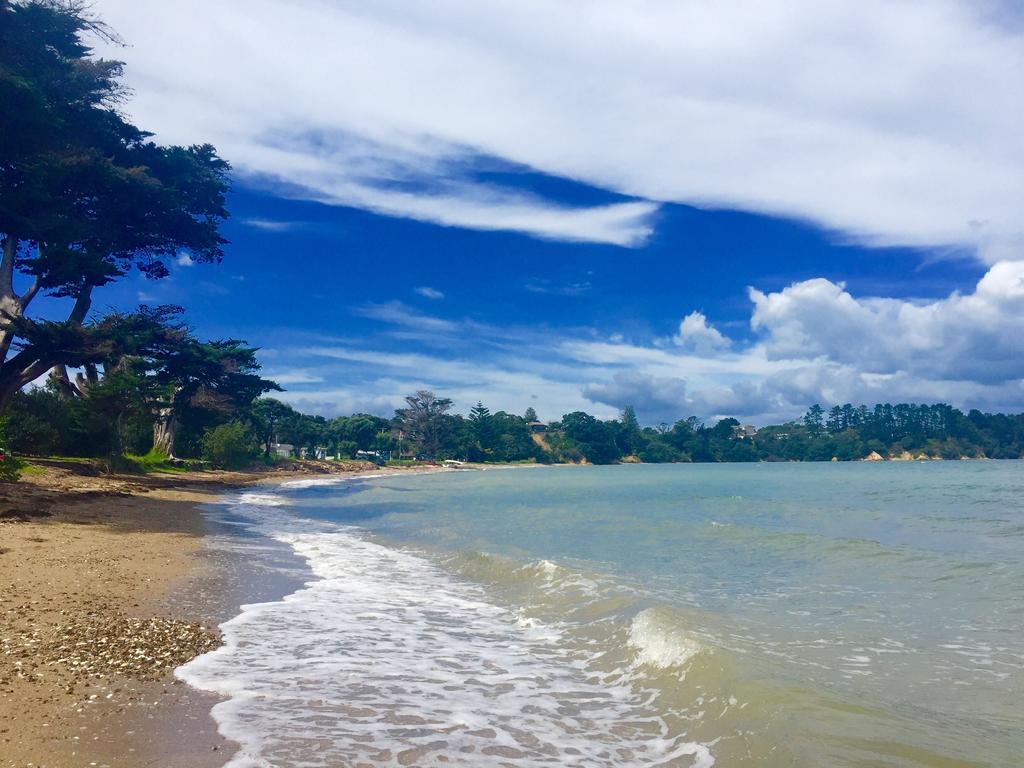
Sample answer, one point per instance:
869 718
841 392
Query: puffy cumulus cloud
695 334
887 122
814 341
977 336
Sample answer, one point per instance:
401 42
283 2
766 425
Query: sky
690 206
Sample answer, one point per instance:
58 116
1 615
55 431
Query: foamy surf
385 658
658 643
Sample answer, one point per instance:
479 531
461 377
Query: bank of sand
90 630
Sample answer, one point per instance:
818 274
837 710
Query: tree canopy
85 196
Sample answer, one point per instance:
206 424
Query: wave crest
659 642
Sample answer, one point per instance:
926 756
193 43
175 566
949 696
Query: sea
866 615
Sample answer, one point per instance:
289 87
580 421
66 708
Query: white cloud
816 342
184 260
542 286
813 341
397 313
293 376
978 336
695 334
430 293
888 122
270 225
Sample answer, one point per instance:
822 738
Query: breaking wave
394 658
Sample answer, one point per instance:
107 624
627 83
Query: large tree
214 377
267 416
423 421
179 378
85 196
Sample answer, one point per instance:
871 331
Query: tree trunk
10 306
59 376
24 367
13 377
82 305
165 430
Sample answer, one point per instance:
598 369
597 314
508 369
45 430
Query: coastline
104 591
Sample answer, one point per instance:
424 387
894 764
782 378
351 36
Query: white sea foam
387 659
260 499
658 643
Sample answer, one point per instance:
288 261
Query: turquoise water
732 615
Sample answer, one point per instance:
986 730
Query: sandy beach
90 629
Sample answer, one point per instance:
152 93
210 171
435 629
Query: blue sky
682 206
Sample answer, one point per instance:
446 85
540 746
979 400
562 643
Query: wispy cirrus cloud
397 313
543 286
429 293
271 225
889 123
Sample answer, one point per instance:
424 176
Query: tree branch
30 294
59 374
7 267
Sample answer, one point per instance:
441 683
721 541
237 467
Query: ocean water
867 615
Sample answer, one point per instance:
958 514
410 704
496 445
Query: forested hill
844 433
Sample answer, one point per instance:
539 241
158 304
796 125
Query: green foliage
101 415
594 439
347 448
423 421
85 196
38 423
10 466
658 451
229 446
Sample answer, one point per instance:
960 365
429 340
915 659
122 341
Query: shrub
228 446
10 467
38 424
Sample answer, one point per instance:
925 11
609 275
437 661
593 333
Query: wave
659 643
386 657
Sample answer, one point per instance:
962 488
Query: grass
150 462
70 459
132 464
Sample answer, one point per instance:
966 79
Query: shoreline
104 591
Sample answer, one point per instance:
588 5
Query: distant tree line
844 433
210 392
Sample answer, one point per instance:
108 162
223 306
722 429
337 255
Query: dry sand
87 642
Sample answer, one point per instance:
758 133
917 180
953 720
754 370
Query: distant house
744 431
282 450
538 426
